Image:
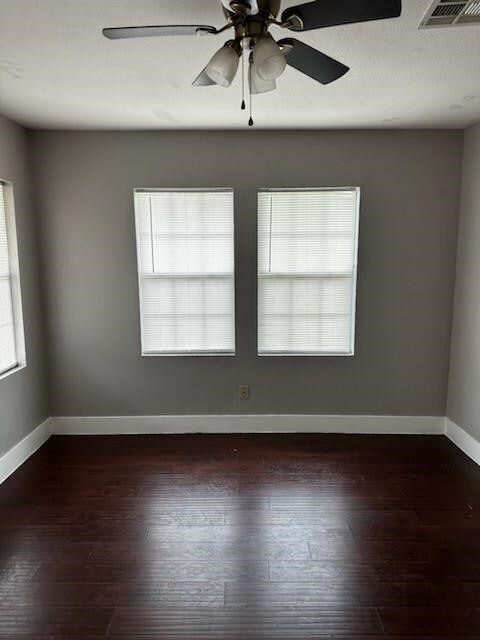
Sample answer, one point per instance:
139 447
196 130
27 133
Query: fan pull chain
244 106
250 122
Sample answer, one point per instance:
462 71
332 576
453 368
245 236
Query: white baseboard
109 425
18 454
463 440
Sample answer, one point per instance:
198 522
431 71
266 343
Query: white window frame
185 354
307 354
15 284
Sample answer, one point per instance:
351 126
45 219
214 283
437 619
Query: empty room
239 319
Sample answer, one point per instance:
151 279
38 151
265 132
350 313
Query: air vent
448 9
452 13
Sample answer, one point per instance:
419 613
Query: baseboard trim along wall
463 440
247 424
18 454
131 425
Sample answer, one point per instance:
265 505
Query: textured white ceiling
58 71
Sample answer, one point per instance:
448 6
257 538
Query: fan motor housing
251 7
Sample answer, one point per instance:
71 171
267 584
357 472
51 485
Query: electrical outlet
244 392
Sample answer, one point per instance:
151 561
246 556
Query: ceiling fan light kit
223 66
257 84
267 59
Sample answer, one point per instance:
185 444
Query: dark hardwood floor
242 536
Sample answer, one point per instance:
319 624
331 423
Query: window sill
299 354
187 354
10 372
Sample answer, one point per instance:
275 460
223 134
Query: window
12 347
307 271
186 271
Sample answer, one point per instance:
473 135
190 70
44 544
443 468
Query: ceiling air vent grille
448 9
452 13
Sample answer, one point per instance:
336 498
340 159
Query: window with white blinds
185 250
9 358
307 271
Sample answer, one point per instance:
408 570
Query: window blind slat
186 271
8 356
307 248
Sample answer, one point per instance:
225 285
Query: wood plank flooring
241 537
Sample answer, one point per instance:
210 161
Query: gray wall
464 389
408 232
23 395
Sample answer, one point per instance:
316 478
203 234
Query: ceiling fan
251 42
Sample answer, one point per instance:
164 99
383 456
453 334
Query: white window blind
8 355
307 271
185 249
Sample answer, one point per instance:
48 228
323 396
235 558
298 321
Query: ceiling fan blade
119 33
311 62
203 80
329 13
